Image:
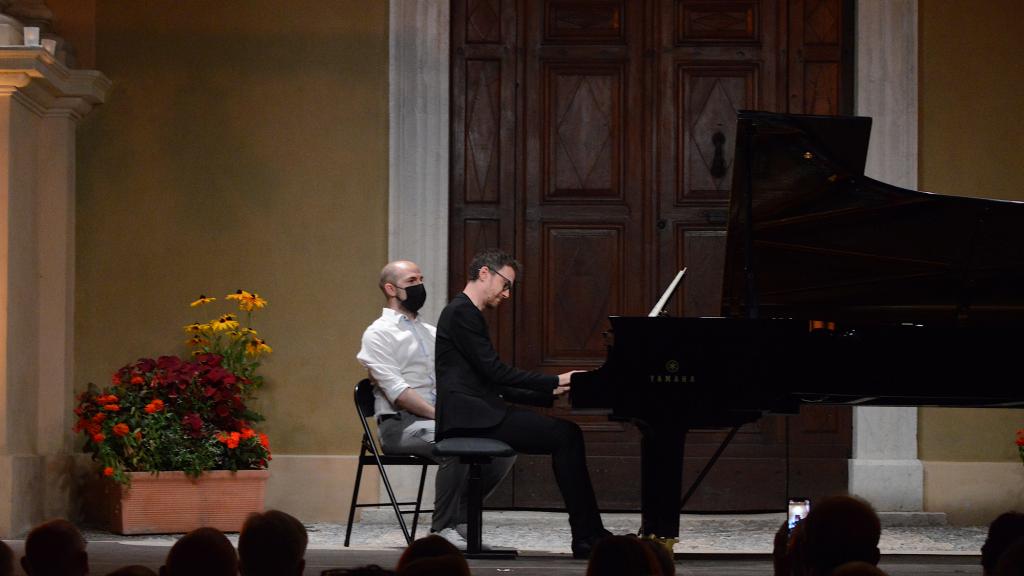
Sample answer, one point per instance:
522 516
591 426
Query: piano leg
661 479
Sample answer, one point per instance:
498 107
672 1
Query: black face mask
415 296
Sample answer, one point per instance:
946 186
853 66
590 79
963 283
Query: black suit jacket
471 379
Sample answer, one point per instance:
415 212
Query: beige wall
971 144
244 145
971 91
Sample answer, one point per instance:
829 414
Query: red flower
108 471
247 433
264 441
99 417
1020 437
121 429
112 407
154 406
136 379
97 438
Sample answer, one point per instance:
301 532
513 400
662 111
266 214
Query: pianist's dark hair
494 260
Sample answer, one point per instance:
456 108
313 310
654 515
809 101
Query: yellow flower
247 302
194 328
197 341
235 334
203 299
257 346
225 322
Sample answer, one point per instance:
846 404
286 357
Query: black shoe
581 547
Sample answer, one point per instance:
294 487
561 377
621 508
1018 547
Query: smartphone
798 509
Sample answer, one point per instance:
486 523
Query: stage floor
720 545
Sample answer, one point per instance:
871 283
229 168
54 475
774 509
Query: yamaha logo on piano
671 375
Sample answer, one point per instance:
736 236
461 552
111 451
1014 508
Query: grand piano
838 289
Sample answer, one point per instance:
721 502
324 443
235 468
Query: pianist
398 352
473 383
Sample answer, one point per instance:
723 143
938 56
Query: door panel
594 139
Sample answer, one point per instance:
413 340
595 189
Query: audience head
622 556
201 552
1011 561
272 542
429 548
663 555
6 560
1002 532
55 548
838 530
133 570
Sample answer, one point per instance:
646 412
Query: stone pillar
885 469
418 162
40 102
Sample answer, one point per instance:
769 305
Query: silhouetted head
1002 532
133 570
622 556
272 543
838 530
663 555
201 552
436 566
1011 562
55 548
432 546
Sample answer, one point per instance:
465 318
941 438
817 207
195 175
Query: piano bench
476 452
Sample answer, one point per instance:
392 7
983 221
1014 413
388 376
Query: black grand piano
838 289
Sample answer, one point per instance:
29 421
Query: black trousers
531 433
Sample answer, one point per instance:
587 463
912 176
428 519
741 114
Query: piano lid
811 237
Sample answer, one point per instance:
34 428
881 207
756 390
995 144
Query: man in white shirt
398 352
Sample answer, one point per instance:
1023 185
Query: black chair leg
355 497
419 501
394 501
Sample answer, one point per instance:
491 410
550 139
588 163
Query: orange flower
108 471
138 380
247 433
112 407
158 404
97 438
108 399
264 441
99 417
121 429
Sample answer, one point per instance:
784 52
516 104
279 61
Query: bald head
396 272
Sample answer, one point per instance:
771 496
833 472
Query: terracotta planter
171 502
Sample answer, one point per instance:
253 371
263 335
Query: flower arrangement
190 414
1020 443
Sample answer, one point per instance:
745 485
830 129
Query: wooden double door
594 140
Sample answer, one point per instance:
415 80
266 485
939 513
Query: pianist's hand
563 378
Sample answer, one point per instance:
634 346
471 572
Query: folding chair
371 455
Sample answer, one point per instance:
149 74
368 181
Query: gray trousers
410 434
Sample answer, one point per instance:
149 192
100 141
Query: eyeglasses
508 283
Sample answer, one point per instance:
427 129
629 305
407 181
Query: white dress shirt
399 354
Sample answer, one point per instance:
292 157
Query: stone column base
889 485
